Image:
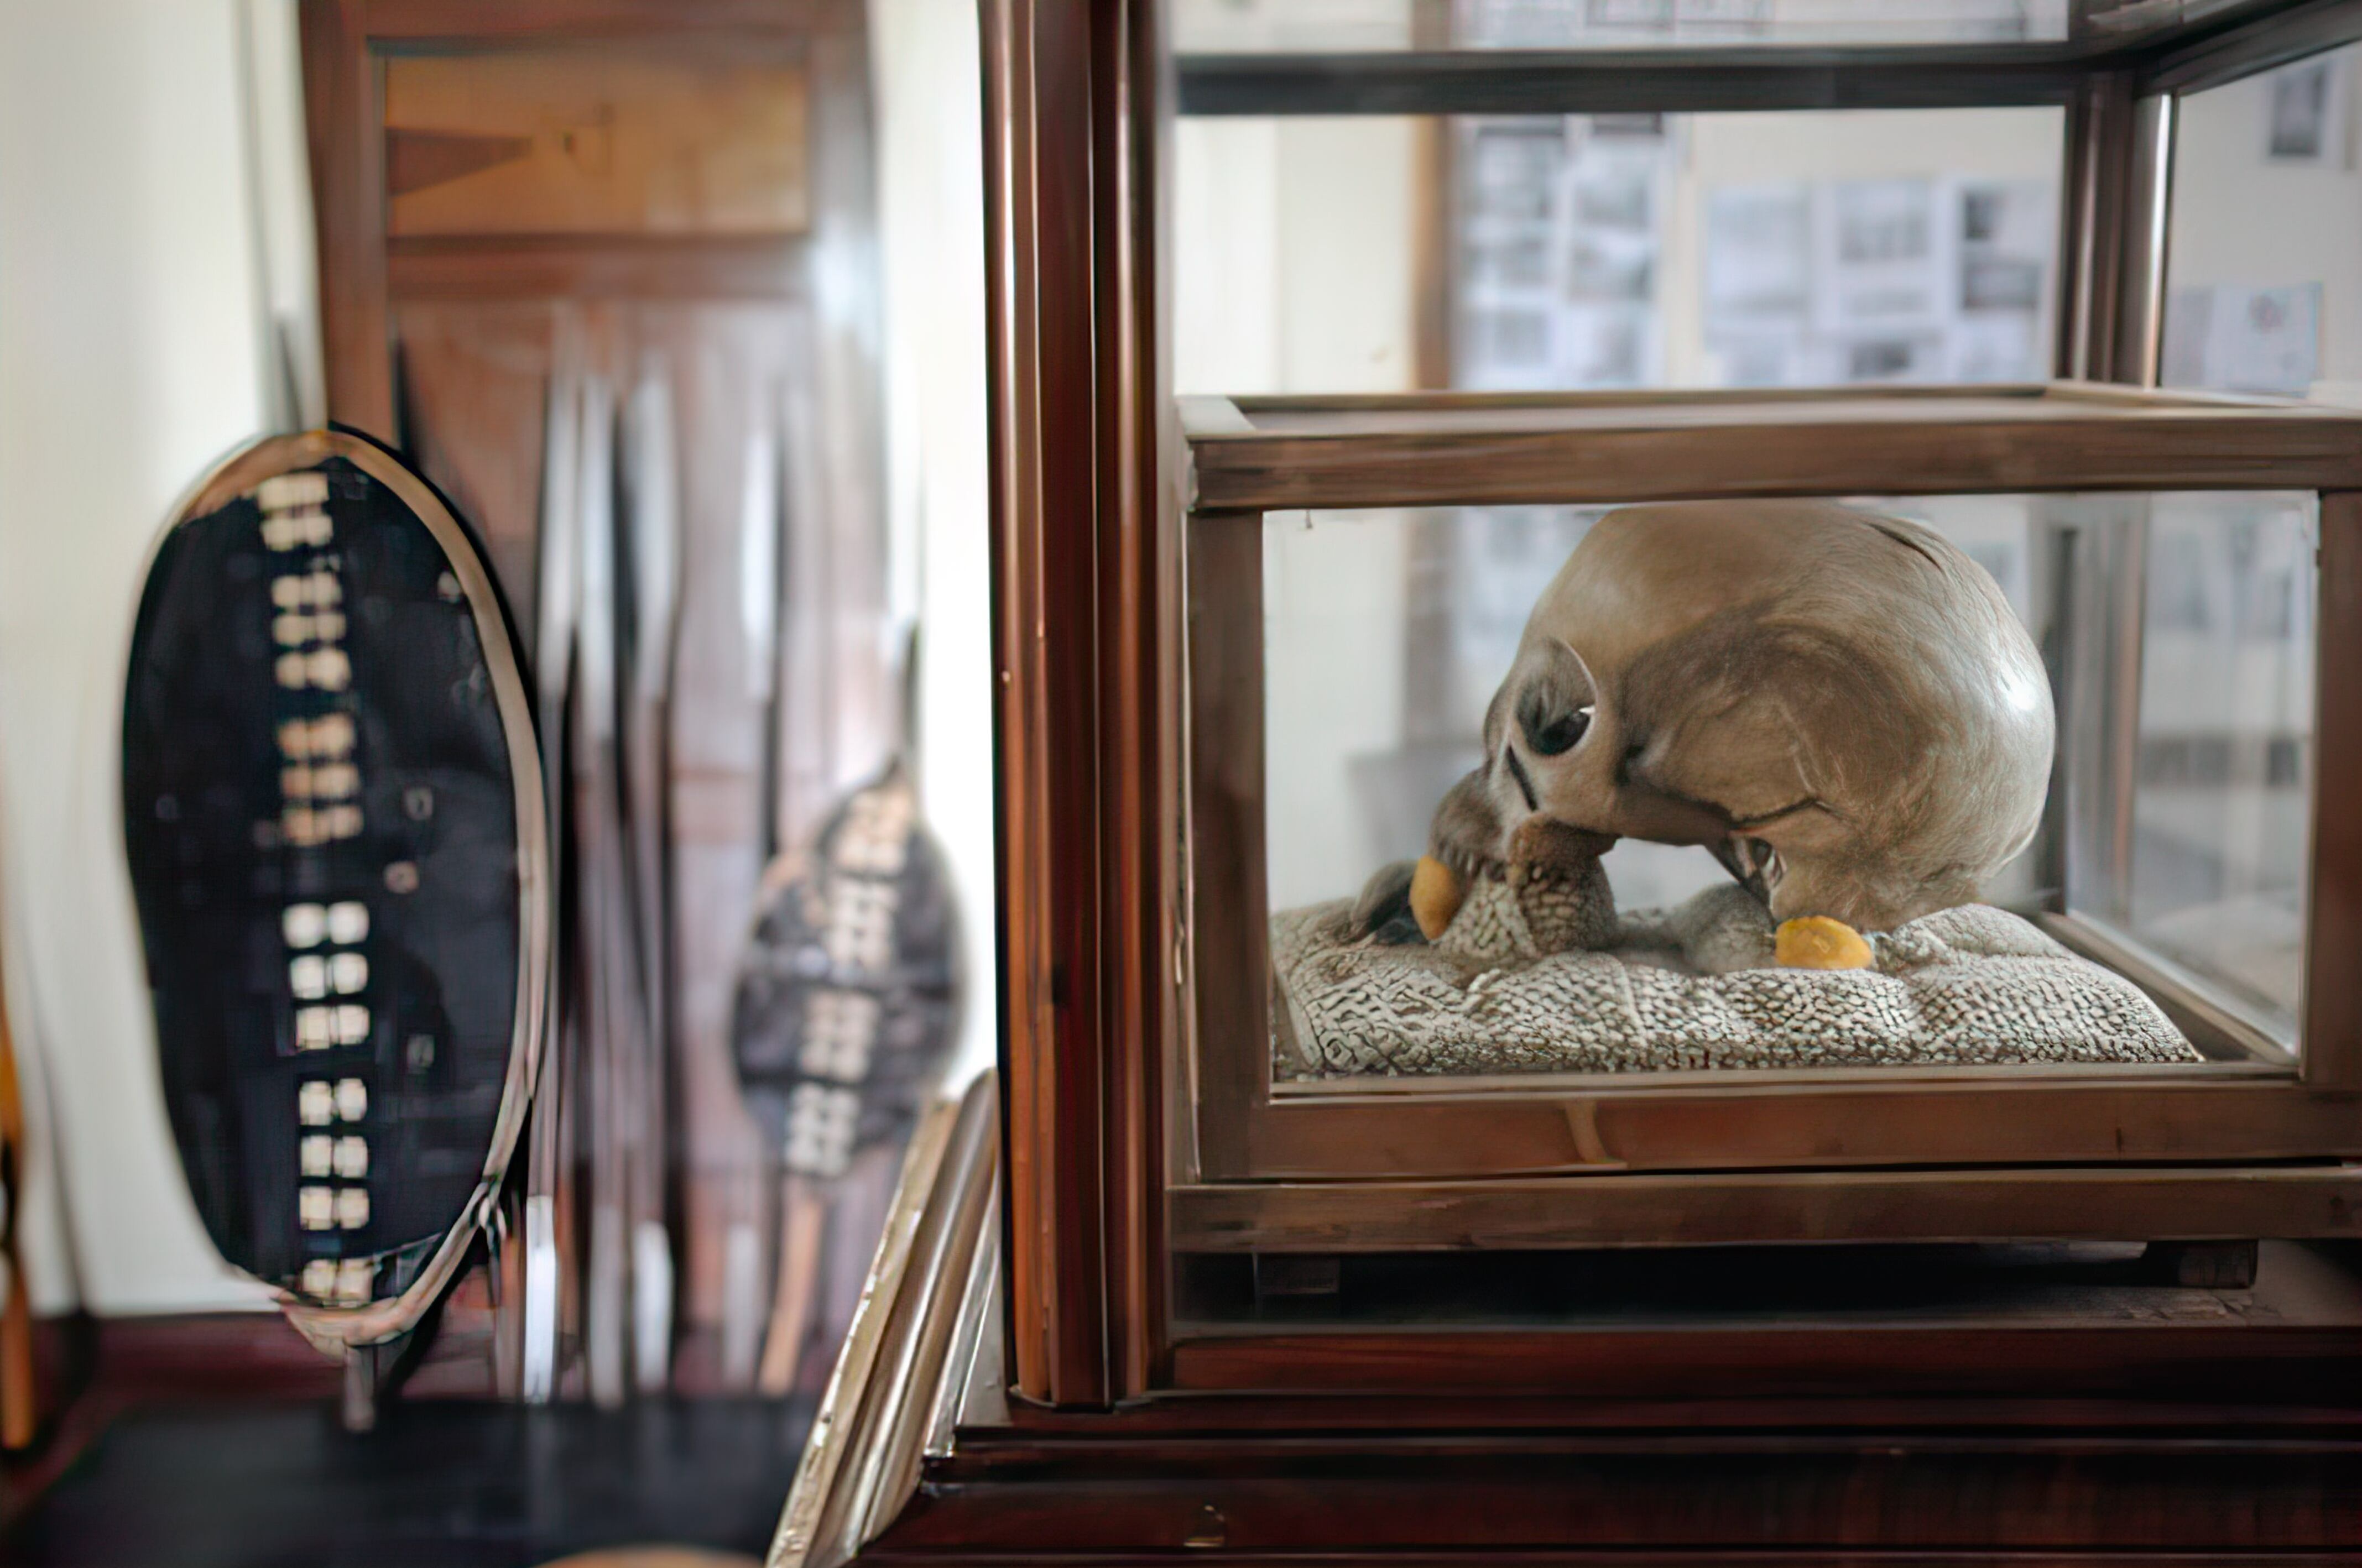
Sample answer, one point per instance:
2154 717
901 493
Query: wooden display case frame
1103 952
1016 1387
2248 1143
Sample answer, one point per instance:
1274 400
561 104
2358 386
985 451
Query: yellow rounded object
1435 895
1808 942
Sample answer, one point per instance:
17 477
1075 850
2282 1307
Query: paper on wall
1758 260
1897 280
1558 239
2235 337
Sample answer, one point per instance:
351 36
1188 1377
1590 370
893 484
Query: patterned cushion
1968 986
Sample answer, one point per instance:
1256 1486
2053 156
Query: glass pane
1571 252
1389 635
1217 27
1386 635
2264 278
2209 871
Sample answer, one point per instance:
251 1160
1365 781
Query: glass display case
1430 484
1589 947
1679 1093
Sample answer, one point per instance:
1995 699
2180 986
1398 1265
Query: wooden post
1086 588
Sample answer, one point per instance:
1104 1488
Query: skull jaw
1812 865
1476 831
1867 892
1809 864
1472 836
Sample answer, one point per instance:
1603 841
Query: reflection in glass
1579 252
2263 280
1771 249
1216 26
2222 782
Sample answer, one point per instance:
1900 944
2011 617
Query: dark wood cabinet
1140 1300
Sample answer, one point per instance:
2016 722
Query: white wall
1294 243
1293 246
928 76
130 357
1216 26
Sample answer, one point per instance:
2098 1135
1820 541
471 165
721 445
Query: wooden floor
456 1484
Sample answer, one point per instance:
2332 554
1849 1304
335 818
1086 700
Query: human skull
1840 705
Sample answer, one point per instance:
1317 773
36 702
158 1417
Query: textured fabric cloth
1968 986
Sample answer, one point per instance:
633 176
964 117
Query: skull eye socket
1554 701
1558 733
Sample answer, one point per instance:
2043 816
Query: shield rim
331 1328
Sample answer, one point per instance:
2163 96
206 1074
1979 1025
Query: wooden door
671 203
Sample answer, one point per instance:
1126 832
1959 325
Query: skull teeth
1756 858
1464 863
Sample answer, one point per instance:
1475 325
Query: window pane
1354 25
2264 276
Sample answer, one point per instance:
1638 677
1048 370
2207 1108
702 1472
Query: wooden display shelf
2246 1142
1711 1208
1570 448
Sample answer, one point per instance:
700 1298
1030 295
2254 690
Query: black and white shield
334 814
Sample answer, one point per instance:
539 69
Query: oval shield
333 816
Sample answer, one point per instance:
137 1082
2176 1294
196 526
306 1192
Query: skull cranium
1841 705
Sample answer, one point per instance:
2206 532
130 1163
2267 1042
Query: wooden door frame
344 47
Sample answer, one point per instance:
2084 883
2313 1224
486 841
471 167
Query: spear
760 525
548 1167
653 493
611 1015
